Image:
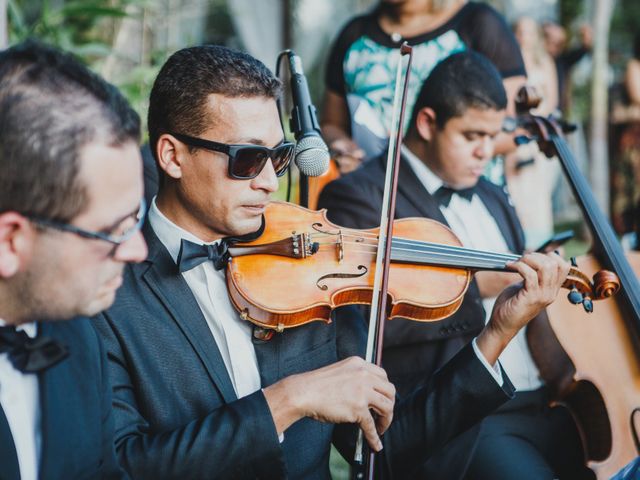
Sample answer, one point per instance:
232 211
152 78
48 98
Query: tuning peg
587 304
575 296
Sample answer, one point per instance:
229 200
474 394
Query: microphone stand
303 189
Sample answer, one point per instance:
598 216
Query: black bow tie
30 355
443 194
192 254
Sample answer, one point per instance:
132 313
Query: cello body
601 384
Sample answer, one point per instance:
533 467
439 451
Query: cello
592 359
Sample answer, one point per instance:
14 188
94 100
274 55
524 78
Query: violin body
282 292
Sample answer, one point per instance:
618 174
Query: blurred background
126 41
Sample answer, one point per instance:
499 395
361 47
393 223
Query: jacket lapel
55 384
170 288
412 191
8 455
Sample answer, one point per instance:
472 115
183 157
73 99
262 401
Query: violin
303 266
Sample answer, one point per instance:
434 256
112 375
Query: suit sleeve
236 440
458 396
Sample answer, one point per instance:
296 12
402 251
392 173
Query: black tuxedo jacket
413 351
76 414
177 415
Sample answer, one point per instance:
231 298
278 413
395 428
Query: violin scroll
605 284
583 291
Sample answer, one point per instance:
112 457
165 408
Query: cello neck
606 244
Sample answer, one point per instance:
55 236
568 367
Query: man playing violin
200 393
459 112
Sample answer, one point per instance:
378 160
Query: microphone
312 154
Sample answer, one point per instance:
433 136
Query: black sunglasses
246 161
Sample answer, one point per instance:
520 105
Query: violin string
428 248
434 257
439 260
419 254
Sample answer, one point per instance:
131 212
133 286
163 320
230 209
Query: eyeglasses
119 234
246 161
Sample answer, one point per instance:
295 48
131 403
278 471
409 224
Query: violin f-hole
324 287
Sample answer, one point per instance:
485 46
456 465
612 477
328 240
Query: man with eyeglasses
70 189
200 393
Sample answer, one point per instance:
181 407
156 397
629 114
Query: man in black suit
70 190
200 393
458 113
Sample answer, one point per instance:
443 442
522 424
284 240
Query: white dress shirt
231 334
20 400
476 228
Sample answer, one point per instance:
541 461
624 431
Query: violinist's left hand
543 276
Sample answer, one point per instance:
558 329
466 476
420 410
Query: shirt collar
429 180
30 328
169 233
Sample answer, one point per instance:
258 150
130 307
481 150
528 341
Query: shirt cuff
494 370
280 435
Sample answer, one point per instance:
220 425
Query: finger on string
528 274
562 265
545 268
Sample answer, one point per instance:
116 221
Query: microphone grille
312 156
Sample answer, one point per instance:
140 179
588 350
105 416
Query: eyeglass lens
248 162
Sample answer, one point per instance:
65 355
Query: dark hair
636 46
179 95
461 81
51 107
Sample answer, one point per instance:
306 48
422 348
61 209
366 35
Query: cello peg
574 262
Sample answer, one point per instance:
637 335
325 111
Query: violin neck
424 253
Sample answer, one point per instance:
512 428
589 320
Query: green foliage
87 29
625 23
70 25
569 10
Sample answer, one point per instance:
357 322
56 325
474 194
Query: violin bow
378 314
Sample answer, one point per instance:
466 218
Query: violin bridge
340 247
310 247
